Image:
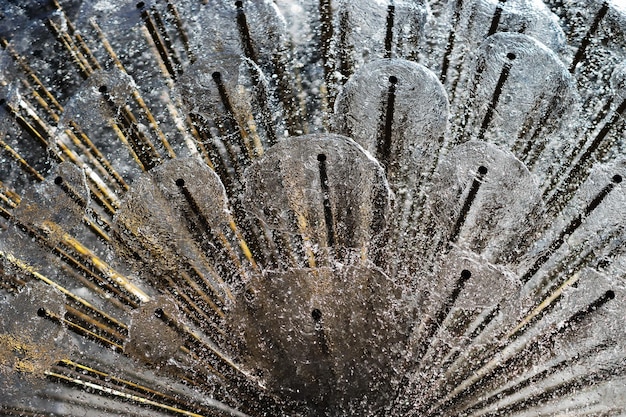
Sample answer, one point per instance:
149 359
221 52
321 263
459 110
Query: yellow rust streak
86 152
242 244
72 30
199 143
86 51
43 127
75 49
303 227
123 139
132 385
70 154
121 394
104 268
209 284
212 348
33 272
25 165
247 125
29 72
92 322
25 125
7 200
96 229
83 331
364 253
97 188
295 204
136 95
231 252
128 115
193 306
63 38
107 45
256 140
192 284
101 194
40 100
187 134
97 182
155 52
82 136
545 303
153 123
15 198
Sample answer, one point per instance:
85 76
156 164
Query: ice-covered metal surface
312 208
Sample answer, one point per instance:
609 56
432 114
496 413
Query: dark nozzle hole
321 157
58 180
2 101
180 182
617 179
465 274
159 313
140 5
511 56
238 4
393 79
316 314
103 89
217 76
610 294
482 170
41 312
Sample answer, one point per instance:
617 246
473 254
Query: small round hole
180 182
321 157
511 56
316 314
482 170
103 89
393 79
58 180
465 274
617 179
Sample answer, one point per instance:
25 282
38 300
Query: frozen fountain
312 208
